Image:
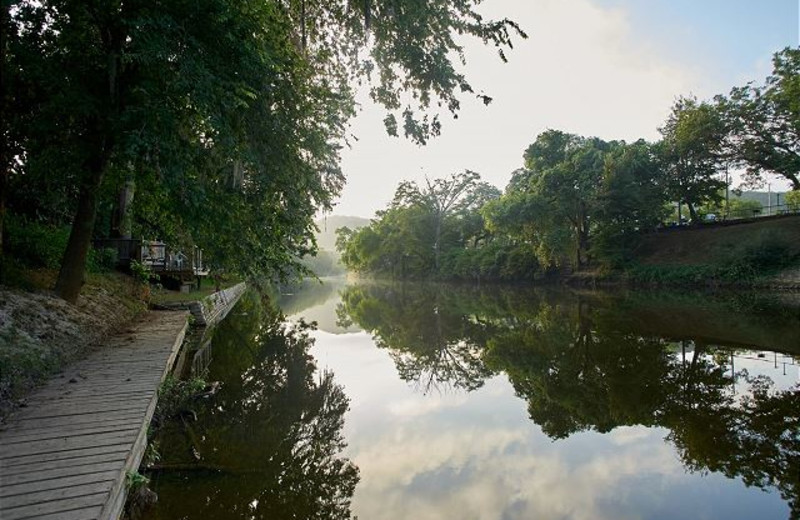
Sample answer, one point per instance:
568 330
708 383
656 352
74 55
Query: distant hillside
326 237
762 197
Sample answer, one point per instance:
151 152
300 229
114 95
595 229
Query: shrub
102 260
35 244
39 245
174 396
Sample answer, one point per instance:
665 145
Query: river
428 401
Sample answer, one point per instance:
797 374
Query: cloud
503 471
581 71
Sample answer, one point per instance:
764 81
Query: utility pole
727 191
769 199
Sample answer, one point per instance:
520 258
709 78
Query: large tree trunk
794 180
73 266
100 135
122 222
692 213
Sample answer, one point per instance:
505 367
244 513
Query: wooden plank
71 481
53 507
57 465
57 473
86 513
51 495
71 410
35 423
69 431
65 455
72 454
9 453
89 398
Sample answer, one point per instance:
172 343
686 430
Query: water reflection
269 444
497 403
600 362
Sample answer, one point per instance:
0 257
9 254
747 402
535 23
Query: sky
605 68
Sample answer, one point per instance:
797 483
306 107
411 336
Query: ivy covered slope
225 117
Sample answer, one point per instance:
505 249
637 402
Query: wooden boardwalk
65 455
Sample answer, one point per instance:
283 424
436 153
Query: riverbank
40 333
71 451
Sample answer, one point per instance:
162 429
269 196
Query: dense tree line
220 121
582 202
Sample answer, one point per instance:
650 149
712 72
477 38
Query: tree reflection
269 445
581 365
433 344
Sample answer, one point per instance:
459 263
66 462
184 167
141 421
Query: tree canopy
764 121
580 202
228 116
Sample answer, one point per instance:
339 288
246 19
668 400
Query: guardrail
155 254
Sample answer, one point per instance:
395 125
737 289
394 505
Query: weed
135 481
174 396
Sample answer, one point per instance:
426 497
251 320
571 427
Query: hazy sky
606 68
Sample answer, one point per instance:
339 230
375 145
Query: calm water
413 401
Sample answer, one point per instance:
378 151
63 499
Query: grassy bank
207 288
760 253
40 333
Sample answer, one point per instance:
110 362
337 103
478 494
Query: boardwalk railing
159 256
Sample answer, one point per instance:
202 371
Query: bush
175 395
38 245
102 260
35 244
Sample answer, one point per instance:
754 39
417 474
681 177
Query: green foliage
496 261
135 480
175 396
691 152
764 122
766 255
432 230
793 200
227 116
152 455
323 263
102 260
35 244
141 272
580 199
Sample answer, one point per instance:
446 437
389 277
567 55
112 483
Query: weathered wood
50 495
54 507
71 431
53 422
10 452
60 473
59 455
56 466
56 483
65 455
88 513
69 410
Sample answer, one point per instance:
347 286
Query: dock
65 455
